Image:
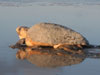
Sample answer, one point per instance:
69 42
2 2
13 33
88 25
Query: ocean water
80 15
48 2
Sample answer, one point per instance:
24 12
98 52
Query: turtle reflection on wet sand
48 57
52 35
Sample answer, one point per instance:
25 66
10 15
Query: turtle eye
19 29
26 28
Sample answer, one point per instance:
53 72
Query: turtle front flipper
18 44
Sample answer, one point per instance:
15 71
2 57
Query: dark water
82 18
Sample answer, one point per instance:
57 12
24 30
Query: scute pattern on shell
55 34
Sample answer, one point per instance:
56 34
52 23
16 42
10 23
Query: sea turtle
50 34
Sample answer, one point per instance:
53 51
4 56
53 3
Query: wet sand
83 18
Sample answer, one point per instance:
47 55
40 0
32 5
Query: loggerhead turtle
50 34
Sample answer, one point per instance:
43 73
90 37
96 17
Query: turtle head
22 31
